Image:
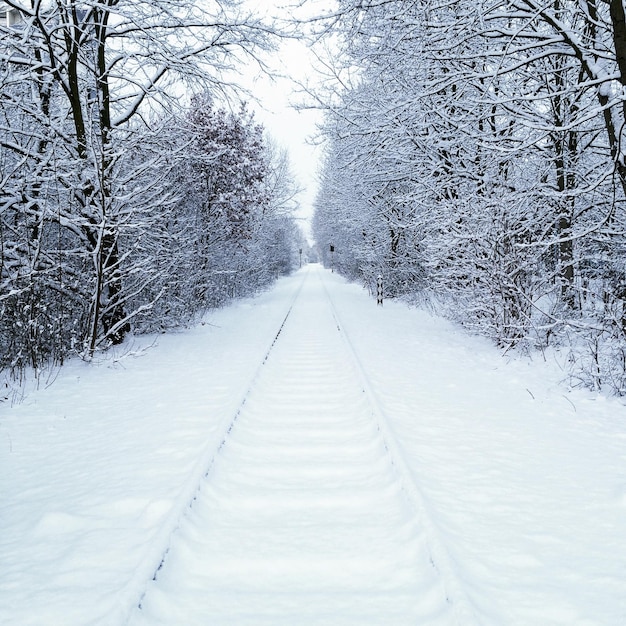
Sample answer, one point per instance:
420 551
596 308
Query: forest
476 163
134 195
473 160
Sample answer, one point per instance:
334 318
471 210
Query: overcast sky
291 128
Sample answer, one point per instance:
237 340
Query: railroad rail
307 510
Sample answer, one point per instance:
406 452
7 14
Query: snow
398 471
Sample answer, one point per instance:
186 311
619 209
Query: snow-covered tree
82 83
488 136
227 228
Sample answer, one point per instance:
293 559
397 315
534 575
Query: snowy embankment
95 470
523 483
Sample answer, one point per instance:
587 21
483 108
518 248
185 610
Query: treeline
476 161
129 199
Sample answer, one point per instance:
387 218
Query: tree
82 85
489 136
226 228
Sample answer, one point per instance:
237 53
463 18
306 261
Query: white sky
292 129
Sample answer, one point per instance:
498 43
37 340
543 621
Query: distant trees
99 170
230 229
476 160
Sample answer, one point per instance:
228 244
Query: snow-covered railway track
307 514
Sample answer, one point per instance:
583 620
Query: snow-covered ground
302 518
513 486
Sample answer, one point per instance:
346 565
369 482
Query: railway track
307 512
